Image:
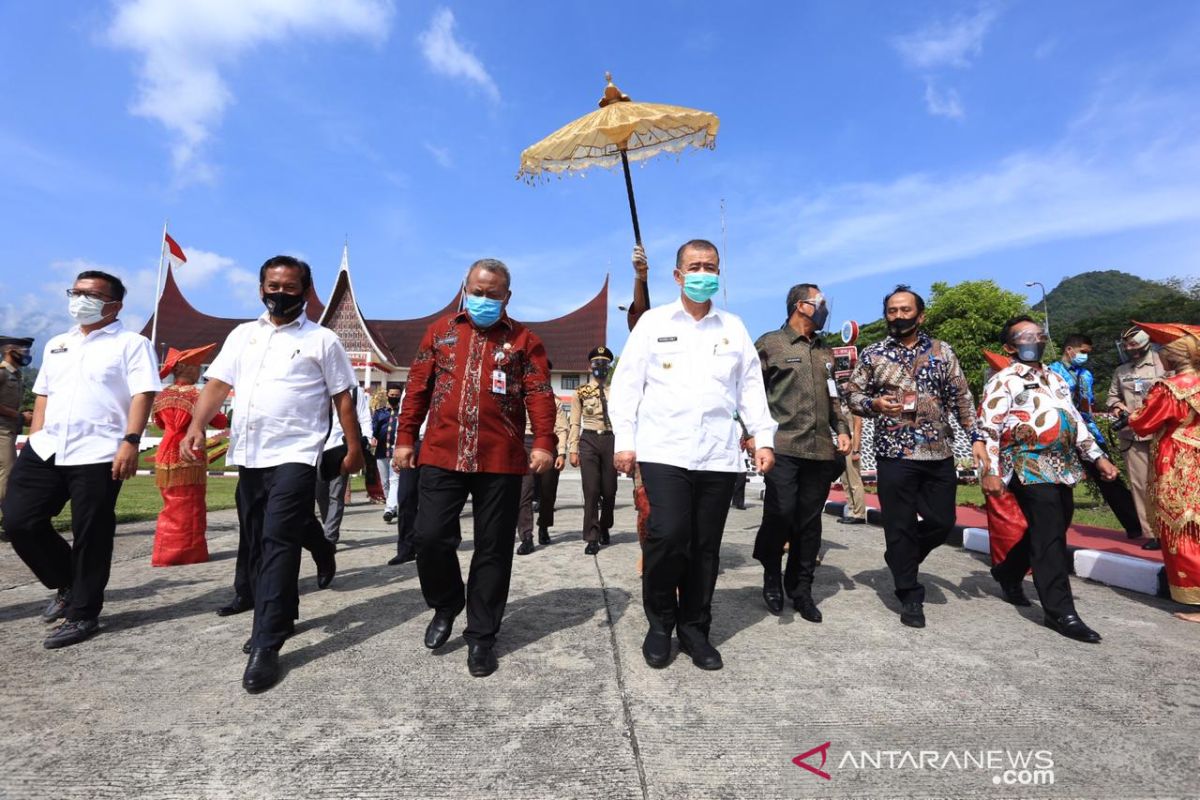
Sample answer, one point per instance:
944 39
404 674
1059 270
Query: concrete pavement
153 707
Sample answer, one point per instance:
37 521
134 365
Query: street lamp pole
1045 307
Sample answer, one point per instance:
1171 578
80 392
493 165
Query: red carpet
1078 537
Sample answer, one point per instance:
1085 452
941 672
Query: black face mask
820 316
600 371
282 304
901 327
23 359
394 402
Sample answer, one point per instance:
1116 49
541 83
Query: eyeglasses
91 295
1030 338
700 266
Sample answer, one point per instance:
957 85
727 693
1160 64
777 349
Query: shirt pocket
667 357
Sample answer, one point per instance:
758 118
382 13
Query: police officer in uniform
12 393
1130 383
591 448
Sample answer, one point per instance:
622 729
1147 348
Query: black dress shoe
389 517
57 607
73 631
438 631
543 535
656 649
1133 534
807 608
239 605
326 567
402 558
604 537
1071 626
591 549
1015 593
913 615
773 592
262 670
1153 544
703 654
525 548
481 660
852 520
291 631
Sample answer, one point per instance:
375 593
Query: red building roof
568 339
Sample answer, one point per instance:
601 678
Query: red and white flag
175 252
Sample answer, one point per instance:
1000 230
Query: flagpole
162 256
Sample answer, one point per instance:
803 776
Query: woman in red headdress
1171 413
179 537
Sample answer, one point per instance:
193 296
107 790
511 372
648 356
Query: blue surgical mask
700 286
1079 359
484 310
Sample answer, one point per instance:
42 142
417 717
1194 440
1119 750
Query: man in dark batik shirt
911 384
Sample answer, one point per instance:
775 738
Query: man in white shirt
686 368
93 396
285 370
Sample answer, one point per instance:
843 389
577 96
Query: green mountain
1088 295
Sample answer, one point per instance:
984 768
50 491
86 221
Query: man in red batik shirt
476 373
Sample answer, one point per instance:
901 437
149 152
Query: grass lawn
139 499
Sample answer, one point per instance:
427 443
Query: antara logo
823 749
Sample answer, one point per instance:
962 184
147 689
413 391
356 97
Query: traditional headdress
194 357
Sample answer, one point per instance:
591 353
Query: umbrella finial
611 93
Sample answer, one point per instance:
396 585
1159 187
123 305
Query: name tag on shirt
1139 386
793 360
1031 386
499 382
59 349
668 338
833 392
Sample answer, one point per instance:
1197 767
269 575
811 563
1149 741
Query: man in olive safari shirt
798 374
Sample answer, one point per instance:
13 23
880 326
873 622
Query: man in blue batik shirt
1072 368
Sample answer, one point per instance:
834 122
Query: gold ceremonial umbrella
620 131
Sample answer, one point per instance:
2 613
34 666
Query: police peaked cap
600 352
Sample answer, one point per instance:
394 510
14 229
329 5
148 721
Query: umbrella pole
637 233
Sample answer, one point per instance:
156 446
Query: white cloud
441 155
942 103
447 56
941 44
185 45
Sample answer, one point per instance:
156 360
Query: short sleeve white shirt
362 411
283 379
89 382
677 385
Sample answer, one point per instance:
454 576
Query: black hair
289 262
1012 323
904 287
699 244
116 289
799 292
1077 339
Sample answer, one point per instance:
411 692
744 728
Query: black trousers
599 476
906 488
1048 508
275 512
38 490
1118 497
494 501
406 510
739 491
545 487
796 492
682 551
312 539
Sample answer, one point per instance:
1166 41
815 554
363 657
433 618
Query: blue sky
862 144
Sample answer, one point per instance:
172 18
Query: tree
969 315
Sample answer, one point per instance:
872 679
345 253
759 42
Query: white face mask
86 310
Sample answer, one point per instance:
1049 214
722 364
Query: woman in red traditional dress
1172 414
179 537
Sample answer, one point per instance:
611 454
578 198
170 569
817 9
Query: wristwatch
133 438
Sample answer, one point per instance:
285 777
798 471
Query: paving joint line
620 672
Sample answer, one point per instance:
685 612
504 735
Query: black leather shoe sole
65 637
710 660
808 610
543 537
525 548
591 549
852 521
398 559
438 632
913 619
